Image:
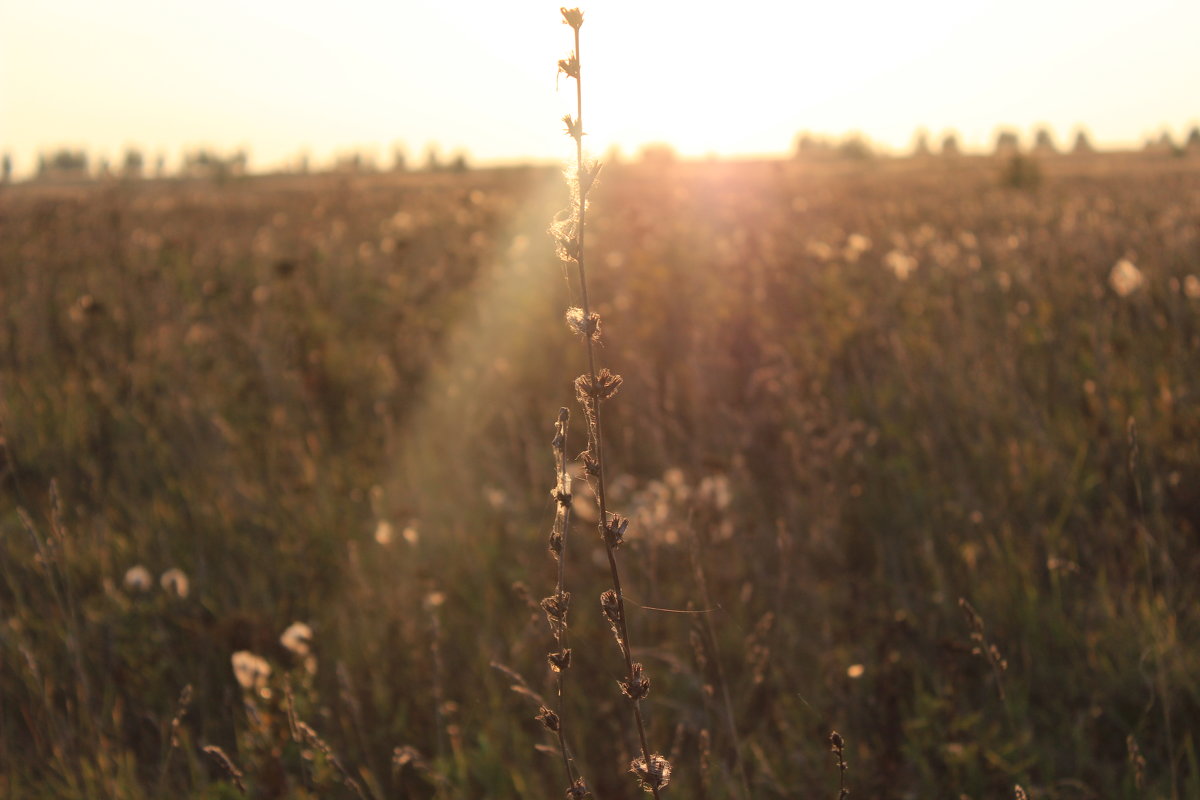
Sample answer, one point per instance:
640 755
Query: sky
281 78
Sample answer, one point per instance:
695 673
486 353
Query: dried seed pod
637 686
573 127
561 660
572 17
653 776
838 745
588 327
549 719
611 609
569 66
604 387
614 530
610 606
578 790
556 607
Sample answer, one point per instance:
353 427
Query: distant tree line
855 147
69 164
73 164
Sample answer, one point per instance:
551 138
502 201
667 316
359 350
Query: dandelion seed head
714 490
858 241
175 582
138 579
1125 278
250 670
674 477
297 638
901 264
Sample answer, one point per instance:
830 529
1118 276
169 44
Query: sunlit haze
281 78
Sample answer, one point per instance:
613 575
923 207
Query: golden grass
246 382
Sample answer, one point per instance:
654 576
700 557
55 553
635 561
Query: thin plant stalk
592 390
557 606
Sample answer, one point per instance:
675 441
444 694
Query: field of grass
854 396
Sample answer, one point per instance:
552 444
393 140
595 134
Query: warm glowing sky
279 76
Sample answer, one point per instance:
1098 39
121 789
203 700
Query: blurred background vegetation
856 391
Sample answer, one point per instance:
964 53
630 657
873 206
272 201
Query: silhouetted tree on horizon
855 147
432 159
204 163
63 163
1043 142
921 143
1008 144
809 145
1193 140
1083 144
134 163
950 144
1163 145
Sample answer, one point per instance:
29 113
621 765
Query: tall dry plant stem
557 605
838 745
592 390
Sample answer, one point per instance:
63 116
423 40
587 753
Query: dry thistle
557 605
587 327
549 719
614 530
572 17
653 773
593 389
569 66
982 647
838 745
637 686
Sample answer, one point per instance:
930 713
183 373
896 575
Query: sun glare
280 78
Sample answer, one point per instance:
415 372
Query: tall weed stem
557 605
592 390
